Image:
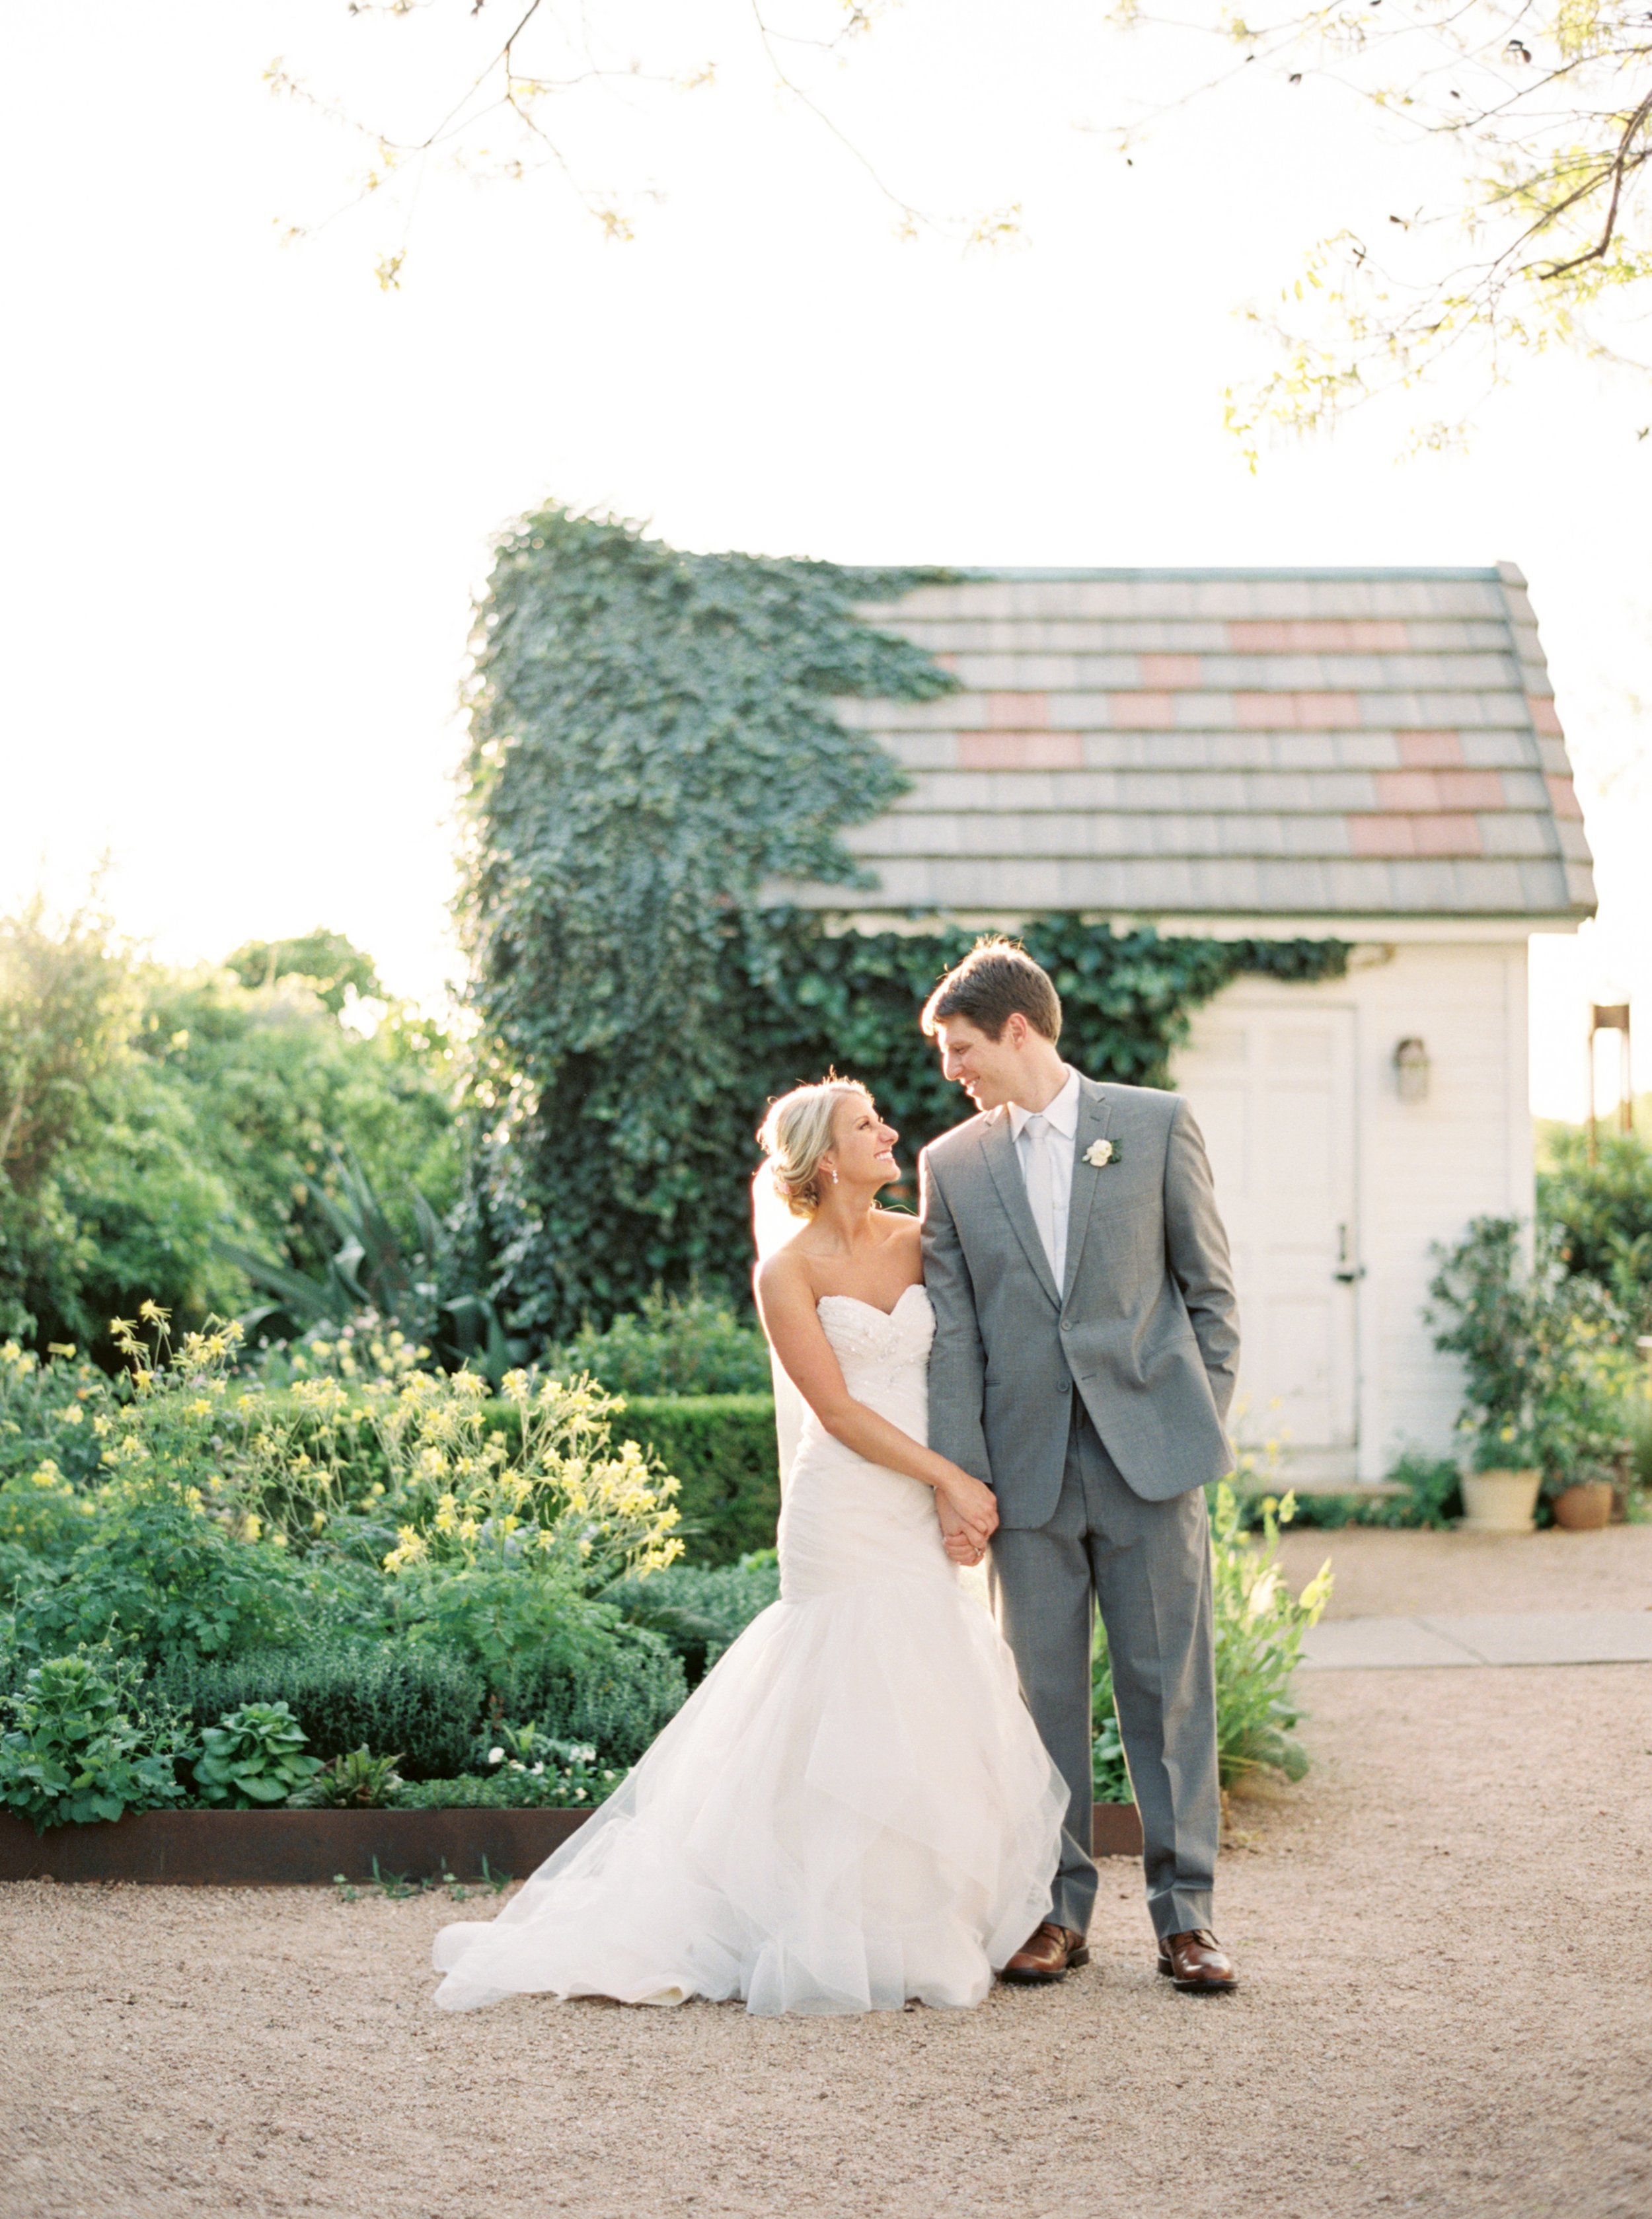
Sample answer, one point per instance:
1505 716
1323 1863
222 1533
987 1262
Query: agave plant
371 1274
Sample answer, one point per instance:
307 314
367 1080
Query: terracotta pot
1584 1508
1499 1502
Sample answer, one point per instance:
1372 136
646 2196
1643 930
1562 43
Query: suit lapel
1095 1114
998 1146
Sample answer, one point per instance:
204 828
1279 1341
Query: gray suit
1095 1413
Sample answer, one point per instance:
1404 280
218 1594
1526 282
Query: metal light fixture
1411 1070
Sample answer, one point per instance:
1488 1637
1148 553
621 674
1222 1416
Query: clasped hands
968 1511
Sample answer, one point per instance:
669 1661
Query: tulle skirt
853 1811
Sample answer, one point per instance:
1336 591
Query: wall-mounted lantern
1411 1069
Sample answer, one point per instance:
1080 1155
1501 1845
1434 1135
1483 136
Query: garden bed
295 1849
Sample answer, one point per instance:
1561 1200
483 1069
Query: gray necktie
1040 1187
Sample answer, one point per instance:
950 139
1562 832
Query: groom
1085 1352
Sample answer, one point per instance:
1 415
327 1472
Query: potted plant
1482 1309
1582 1418
1544 1377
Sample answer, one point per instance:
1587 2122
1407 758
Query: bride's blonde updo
796 1135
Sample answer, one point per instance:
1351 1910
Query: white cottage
1368 754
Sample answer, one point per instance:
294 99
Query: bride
853 1809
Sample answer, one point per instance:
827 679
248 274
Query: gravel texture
1444 2010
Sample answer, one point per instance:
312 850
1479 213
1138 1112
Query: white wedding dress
854 1808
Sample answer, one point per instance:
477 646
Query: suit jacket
1145 1329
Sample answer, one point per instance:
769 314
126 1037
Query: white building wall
1423 1169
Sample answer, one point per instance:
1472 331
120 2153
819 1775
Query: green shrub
701 1609
1602 1214
617 1698
1432 1497
692 1343
419 1700
82 1746
357 1781
253 1758
721 1449
156 1573
42 1514
1110 1775
47 1413
1546 1371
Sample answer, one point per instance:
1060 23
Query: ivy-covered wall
652 741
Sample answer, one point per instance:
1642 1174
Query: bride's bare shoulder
900 1226
785 1271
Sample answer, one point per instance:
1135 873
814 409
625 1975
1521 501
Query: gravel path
1444 2011
1381 1572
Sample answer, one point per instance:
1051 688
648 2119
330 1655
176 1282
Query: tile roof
1240 742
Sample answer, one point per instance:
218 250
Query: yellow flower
201 1408
72 1416
122 1328
251 1527
65 1349
152 1314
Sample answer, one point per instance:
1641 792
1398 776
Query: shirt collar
1061 1116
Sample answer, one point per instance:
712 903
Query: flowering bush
46 1411
500 1540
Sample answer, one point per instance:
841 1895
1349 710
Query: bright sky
249 495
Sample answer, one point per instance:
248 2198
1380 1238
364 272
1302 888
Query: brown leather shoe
1049 1954
1197 1963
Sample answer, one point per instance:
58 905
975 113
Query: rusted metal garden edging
297 1848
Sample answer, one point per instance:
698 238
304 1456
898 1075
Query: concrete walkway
1546 1637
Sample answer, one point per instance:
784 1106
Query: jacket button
1065 1387
1066 1325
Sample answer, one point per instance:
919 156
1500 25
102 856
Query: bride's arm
786 1302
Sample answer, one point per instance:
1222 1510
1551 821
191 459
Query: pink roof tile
1545 717
1422 750
1020 751
1014 711
1142 712
1317 636
1179 670
1305 712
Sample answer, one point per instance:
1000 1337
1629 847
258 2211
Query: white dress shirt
1045 1142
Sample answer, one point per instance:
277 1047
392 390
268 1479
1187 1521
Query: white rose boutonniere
1101 1153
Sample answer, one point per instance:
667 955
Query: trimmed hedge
393 1697
429 1706
721 1447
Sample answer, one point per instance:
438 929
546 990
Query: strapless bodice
889 1347
845 1520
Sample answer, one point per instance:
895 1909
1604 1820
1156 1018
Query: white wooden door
1273 1090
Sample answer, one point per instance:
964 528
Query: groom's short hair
996 979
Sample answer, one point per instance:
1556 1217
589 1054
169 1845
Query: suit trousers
1147 1565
